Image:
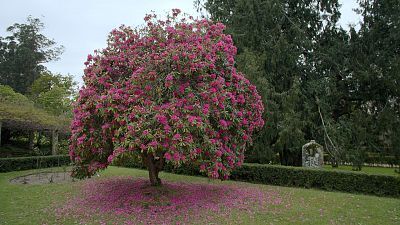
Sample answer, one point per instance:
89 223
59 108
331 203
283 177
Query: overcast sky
83 25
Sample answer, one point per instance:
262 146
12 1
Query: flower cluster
169 89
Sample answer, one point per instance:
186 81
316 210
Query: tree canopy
54 93
169 93
18 112
318 81
22 54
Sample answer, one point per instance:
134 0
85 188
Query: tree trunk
334 162
283 157
154 166
289 158
54 142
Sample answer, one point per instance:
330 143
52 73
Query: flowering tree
168 92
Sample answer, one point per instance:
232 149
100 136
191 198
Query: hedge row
33 162
344 181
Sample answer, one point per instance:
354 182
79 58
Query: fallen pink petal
134 201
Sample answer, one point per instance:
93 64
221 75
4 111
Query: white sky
83 25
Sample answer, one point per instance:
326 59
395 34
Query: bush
34 162
167 91
344 181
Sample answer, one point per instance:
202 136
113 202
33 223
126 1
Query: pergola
32 126
26 117
17 112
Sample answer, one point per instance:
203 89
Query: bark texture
154 165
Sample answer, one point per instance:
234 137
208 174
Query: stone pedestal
312 155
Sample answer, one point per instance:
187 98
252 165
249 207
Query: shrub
344 181
34 162
168 92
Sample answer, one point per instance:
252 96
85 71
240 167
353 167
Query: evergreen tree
375 74
22 54
283 38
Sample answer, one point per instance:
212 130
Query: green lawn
367 169
31 204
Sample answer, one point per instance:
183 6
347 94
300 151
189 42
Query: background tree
54 93
325 83
285 40
22 54
375 75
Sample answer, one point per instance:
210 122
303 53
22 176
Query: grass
367 169
32 204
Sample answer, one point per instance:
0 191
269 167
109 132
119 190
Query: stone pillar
312 155
54 142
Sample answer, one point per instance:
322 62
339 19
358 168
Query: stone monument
312 155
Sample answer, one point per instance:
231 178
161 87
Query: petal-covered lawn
126 200
123 196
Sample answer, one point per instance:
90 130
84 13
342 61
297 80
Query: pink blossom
202 167
176 156
167 156
169 77
223 123
105 126
191 119
165 79
162 119
177 137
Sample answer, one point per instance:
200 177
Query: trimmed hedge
343 181
33 162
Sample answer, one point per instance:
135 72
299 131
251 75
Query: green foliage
278 44
47 81
55 101
54 93
22 54
344 181
353 182
307 206
16 110
375 74
319 81
7 94
14 151
34 162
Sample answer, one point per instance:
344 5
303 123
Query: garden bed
43 178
